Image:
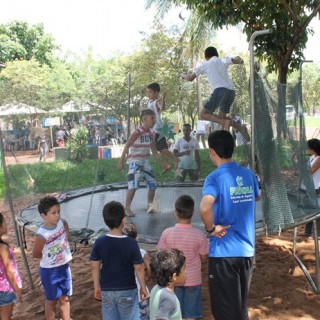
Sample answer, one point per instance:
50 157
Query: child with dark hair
115 259
223 93
187 149
227 211
130 230
158 106
10 281
169 269
193 243
137 151
52 247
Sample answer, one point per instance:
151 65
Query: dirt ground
279 289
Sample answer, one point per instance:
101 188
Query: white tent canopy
21 108
9 110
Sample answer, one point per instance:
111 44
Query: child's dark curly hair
46 203
166 262
130 230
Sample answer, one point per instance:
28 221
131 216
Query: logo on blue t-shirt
240 192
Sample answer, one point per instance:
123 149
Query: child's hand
144 294
97 293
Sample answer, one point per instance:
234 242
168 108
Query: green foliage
21 41
77 144
2 185
27 82
59 176
289 21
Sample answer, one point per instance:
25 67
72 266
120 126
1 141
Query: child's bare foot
129 213
166 169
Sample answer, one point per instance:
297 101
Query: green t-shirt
164 304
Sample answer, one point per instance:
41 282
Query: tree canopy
21 41
283 49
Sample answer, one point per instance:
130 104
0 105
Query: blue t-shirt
118 256
234 189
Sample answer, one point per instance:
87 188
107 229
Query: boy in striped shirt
193 243
137 152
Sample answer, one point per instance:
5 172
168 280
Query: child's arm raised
5 257
134 136
95 270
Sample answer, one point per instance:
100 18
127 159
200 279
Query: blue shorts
141 171
56 281
7 298
118 305
190 299
221 98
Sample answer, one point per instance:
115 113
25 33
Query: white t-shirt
216 70
152 104
315 175
143 253
187 161
56 251
201 127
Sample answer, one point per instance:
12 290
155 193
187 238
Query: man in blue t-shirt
227 210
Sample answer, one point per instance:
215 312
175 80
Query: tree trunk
282 98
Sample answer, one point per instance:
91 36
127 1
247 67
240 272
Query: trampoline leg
315 285
316 246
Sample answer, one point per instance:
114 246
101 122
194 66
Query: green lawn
66 175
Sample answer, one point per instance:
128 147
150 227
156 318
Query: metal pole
9 198
129 102
251 44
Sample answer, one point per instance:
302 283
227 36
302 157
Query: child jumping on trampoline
137 151
115 259
194 244
10 281
169 269
158 105
52 247
223 93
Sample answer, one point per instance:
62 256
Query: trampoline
83 210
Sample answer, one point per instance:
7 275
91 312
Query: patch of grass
61 175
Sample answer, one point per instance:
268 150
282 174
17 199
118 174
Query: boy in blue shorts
52 247
137 151
115 259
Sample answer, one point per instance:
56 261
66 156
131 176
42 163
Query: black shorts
221 98
161 144
229 280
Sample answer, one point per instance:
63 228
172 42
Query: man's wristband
212 230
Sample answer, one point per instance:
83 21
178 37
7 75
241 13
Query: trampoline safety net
83 187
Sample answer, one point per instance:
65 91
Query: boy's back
192 242
117 254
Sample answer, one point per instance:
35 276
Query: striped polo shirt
193 243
